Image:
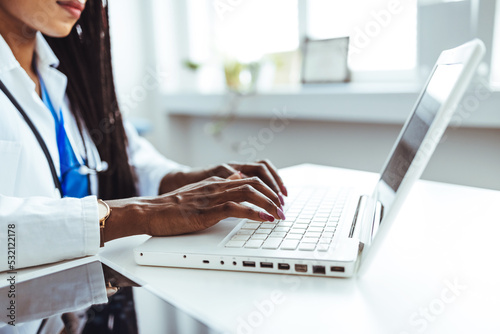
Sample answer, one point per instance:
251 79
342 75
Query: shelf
359 103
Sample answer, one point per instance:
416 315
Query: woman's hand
192 208
262 169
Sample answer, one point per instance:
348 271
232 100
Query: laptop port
283 266
248 264
266 264
337 269
319 270
301 268
206 261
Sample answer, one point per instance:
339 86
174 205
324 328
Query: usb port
319 270
283 266
206 261
248 264
301 268
337 269
266 264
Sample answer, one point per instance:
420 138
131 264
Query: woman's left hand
263 169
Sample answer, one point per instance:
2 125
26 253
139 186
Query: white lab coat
48 228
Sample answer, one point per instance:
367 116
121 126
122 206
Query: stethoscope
83 169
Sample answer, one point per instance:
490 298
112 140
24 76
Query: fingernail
282 201
234 176
281 214
283 190
266 216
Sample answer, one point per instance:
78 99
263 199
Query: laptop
330 231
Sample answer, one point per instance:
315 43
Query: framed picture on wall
325 61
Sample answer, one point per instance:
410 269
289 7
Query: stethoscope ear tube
45 150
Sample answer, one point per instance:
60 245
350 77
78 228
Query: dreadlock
85 58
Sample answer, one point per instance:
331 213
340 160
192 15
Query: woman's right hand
192 208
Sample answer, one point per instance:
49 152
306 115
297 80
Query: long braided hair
85 58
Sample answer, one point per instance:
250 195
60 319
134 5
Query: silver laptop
330 231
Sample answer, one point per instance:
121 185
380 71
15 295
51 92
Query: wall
465 156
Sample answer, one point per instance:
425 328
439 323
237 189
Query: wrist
126 219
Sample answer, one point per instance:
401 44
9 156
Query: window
242 30
383 33
495 60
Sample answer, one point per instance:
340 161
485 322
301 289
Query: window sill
358 103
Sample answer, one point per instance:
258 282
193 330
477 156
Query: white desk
444 235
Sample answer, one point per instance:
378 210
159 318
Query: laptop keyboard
312 216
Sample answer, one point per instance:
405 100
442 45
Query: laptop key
277 234
254 243
241 237
263 231
249 232
310 240
289 244
312 234
251 226
235 244
324 240
272 243
259 237
323 247
293 236
281 229
297 230
307 247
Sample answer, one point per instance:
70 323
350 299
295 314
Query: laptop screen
436 92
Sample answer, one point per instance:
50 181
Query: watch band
103 215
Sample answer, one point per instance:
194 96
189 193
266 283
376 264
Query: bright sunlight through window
383 33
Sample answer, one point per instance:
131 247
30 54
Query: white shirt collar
46 56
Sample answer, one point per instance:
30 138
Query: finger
261 170
274 171
224 171
199 186
255 182
246 193
236 210
235 176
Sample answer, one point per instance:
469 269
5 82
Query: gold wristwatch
104 212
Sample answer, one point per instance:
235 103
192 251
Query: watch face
103 210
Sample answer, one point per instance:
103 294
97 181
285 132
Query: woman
89 151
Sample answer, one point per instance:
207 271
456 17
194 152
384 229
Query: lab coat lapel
22 88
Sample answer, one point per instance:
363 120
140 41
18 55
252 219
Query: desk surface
437 272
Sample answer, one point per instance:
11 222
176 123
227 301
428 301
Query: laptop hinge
357 214
366 220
